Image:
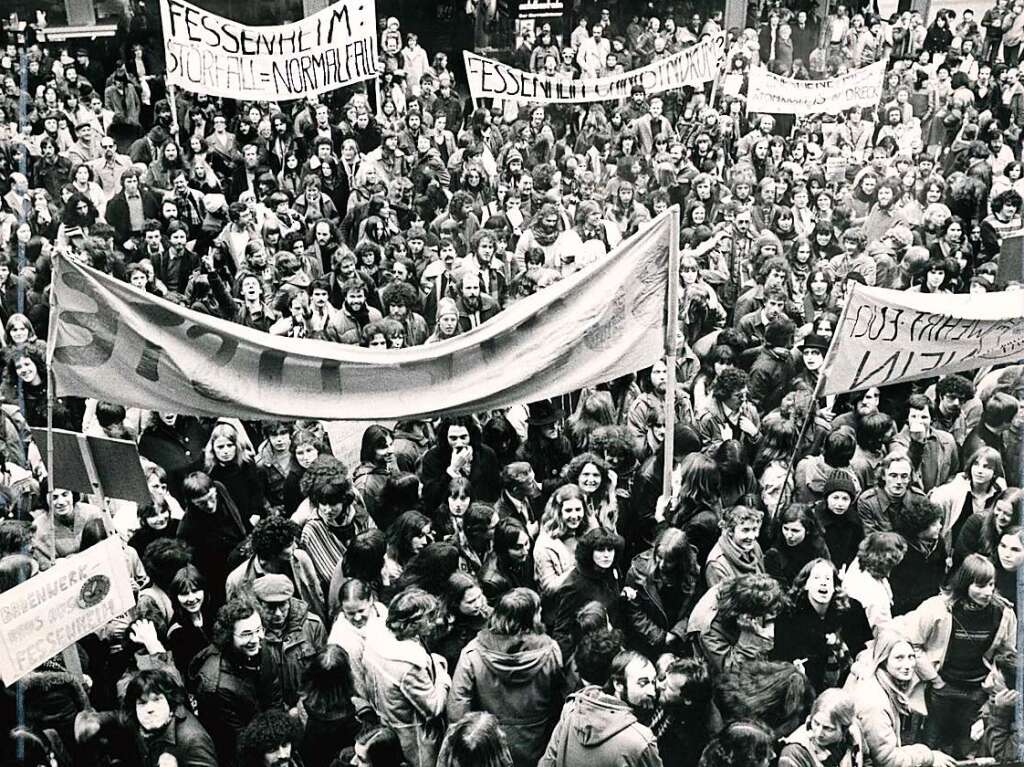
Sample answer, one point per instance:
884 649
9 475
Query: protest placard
55 608
888 336
207 53
693 66
775 94
602 322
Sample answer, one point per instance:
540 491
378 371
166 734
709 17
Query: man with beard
475 308
343 270
52 171
353 315
653 383
236 677
600 725
546 448
174 266
950 395
270 740
686 719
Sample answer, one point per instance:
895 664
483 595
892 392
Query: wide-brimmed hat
543 413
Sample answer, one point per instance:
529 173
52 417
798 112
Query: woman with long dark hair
191 627
408 535
510 564
468 612
597 577
796 539
376 463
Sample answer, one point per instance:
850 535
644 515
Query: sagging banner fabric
207 53
887 336
775 94
113 342
694 66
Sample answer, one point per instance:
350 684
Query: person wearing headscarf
881 684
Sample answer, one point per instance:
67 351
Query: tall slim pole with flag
671 333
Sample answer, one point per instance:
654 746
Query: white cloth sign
774 94
55 608
693 66
602 322
207 53
887 336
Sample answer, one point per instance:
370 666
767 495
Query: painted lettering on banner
693 66
775 94
207 53
888 336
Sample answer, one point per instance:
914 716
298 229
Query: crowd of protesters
831 581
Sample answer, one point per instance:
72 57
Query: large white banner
774 94
55 608
110 339
694 66
888 336
207 53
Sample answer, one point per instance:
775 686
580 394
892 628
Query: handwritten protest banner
774 94
602 322
207 53
888 336
55 608
694 66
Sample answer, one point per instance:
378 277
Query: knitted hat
273 588
840 480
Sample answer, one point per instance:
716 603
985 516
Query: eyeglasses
247 636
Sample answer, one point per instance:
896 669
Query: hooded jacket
877 714
599 730
520 680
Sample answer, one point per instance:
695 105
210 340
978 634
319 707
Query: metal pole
671 332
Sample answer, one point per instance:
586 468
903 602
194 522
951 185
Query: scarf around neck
741 562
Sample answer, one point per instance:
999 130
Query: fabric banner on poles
774 94
54 609
110 340
207 53
888 336
694 66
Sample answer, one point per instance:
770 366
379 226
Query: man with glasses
109 167
237 676
293 633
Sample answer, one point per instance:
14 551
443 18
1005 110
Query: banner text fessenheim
207 53
693 66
